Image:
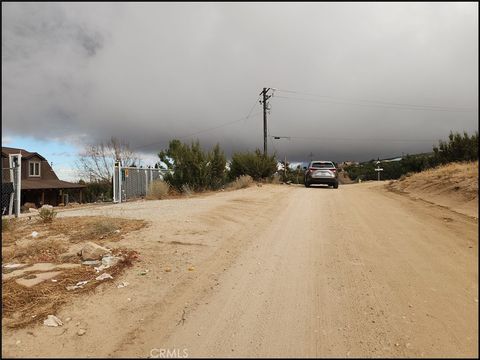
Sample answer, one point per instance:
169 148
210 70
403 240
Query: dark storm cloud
149 72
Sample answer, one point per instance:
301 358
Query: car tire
307 184
335 186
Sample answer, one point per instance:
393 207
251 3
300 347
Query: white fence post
18 187
15 162
115 198
119 182
146 180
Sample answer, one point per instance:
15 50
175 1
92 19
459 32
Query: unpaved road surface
280 271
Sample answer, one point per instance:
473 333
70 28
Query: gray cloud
150 72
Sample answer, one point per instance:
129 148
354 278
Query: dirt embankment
454 186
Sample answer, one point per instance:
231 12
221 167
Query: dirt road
281 271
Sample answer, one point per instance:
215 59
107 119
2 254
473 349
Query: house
39 183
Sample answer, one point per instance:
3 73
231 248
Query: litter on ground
78 285
104 276
52 320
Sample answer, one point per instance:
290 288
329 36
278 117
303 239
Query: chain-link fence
11 191
133 183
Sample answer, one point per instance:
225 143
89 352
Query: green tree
257 165
190 165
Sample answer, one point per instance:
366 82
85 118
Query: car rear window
322 165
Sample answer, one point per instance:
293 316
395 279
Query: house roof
50 181
49 184
25 154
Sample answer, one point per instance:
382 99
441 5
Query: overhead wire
380 102
249 115
371 105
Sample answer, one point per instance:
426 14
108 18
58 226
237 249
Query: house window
34 168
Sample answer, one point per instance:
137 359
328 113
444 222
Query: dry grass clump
186 190
241 182
101 227
73 229
157 190
459 180
8 224
35 250
23 306
47 215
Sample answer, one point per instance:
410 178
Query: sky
353 81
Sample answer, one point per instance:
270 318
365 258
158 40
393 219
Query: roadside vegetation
256 165
157 190
241 182
193 169
458 148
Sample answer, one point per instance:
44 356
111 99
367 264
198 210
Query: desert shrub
47 214
241 182
189 164
158 189
257 165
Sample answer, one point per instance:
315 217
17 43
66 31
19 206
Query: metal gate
132 182
12 185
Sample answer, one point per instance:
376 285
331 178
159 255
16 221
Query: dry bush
47 215
187 191
157 190
241 182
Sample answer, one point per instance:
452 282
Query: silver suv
321 172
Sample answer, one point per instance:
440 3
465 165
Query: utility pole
285 167
265 108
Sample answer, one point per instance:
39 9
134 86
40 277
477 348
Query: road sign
378 169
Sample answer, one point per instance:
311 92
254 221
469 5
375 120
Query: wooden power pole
265 108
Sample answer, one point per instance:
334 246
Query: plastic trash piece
52 320
104 276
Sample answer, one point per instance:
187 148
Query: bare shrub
241 182
157 190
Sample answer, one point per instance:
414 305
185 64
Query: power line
359 139
370 105
385 103
249 115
